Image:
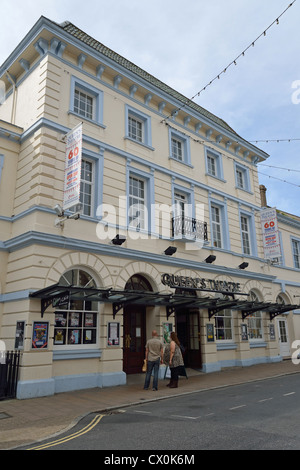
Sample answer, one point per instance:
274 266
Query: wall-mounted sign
19 338
244 332
40 335
210 335
201 284
113 334
272 331
271 240
167 330
73 167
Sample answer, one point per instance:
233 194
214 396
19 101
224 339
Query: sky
186 45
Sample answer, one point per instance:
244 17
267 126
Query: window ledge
87 119
259 344
219 178
143 144
69 354
182 162
225 346
245 190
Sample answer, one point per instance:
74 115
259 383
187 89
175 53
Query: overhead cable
234 62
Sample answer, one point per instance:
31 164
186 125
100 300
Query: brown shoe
174 384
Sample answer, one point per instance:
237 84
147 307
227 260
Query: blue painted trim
296 240
91 90
15 296
63 355
35 388
1 165
219 163
217 366
147 131
252 231
246 175
59 33
67 383
148 177
64 130
225 346
39 238
185 140
224 221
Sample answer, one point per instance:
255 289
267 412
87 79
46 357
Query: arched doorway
282 326
188 332
134 328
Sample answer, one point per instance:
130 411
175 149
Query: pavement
24 422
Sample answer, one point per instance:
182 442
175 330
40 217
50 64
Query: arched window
138 282
76 320
255 327
223 322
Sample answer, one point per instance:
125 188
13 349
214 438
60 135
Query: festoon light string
218 151
234 62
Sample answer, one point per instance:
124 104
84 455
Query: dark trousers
152 365
174 373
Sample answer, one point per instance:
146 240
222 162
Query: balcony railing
187 228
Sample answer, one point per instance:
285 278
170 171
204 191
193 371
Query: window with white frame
177 149
1 165
180 201
213 164
179 146
86 101
135 128
255 321
296 253
242 177
138 126
86 188
83 104
216 225
137 203
245 232
75 323
223 325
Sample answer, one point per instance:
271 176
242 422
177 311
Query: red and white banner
73 167
271 240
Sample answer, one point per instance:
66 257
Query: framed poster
210 334
40 335
244 332
113 333
272 332
167 329
19 338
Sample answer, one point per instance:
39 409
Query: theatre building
170 230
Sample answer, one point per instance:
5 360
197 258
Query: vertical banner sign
73 167
270 232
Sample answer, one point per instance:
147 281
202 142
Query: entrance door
284 343
188 332
134 339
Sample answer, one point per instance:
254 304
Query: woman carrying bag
173 358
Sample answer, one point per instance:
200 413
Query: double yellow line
86 429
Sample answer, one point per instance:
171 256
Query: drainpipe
13 110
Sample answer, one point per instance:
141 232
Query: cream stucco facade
143 145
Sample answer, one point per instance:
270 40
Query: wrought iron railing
9 374
187 228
